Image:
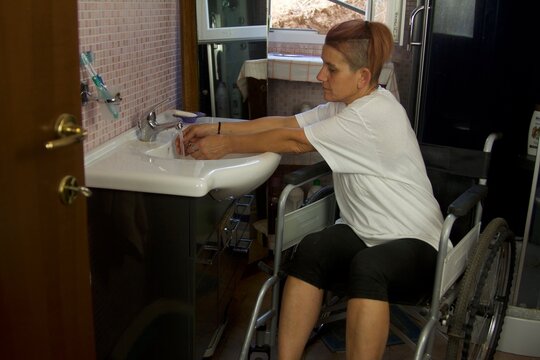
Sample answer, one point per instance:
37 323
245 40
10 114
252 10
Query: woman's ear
363 77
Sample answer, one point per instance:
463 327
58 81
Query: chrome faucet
148 128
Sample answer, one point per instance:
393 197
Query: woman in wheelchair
384 246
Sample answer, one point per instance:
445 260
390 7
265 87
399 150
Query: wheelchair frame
485 276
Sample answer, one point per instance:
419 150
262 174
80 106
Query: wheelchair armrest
307 172
464 203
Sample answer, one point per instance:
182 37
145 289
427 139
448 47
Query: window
308 20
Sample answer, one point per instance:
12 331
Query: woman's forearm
273 134
281 140
258 125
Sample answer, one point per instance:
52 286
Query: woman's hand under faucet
199 131
202 142
212 147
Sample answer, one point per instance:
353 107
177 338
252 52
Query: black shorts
337 259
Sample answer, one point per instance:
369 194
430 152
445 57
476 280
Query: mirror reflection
233 64
296 35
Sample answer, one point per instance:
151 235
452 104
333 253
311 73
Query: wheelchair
472 282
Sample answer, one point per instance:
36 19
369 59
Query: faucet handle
151 114
151 117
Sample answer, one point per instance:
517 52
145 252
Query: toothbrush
104 93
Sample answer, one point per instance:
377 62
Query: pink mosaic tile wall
135 46
287 97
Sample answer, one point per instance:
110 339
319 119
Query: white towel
257 69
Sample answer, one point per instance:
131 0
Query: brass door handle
69 189
68 132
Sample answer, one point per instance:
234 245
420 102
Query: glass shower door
230 32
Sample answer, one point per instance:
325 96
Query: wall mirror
296 33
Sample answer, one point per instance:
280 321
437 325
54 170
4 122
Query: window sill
299 68
294 67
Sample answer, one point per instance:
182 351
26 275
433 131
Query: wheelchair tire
476 325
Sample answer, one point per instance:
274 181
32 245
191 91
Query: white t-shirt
380 179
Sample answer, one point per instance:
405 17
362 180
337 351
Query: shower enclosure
522 323
229 32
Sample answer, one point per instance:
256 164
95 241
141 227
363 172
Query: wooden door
45 301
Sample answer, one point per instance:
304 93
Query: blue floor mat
334 335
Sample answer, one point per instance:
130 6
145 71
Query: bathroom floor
240 311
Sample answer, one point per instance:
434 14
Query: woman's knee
309 249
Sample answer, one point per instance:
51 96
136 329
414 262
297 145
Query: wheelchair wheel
476 326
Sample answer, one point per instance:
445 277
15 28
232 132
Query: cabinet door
142 275
206 297
206 216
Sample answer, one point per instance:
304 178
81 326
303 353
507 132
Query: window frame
303 36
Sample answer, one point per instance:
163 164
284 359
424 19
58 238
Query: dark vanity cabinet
162 277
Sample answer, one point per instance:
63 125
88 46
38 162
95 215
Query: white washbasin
125 163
